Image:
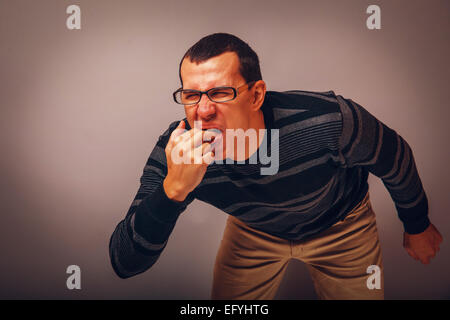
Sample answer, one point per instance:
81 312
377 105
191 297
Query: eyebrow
210 88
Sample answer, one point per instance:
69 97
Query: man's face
222 70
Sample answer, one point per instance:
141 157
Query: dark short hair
218 43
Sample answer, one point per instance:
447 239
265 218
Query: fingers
406 245
412 254
423 257
180 136
200 136
206 147
208 158
196 138
187 142
195 146
436 245
423 246
427 259
437 240
204 154
179 130
193 136
191 150
438 235
208 154
212 135
174 137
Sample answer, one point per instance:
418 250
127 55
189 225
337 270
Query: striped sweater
327 147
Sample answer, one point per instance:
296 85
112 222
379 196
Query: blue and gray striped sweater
327 147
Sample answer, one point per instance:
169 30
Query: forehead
217 71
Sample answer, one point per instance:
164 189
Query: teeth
214 130
213 137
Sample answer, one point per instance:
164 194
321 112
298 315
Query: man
315 207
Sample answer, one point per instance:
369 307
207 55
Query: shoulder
296 109
300 98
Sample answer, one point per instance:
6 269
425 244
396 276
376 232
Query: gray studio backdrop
82 109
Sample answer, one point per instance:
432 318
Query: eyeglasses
217 94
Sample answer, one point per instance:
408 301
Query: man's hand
187 160
423 246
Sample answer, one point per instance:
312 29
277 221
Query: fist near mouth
188 155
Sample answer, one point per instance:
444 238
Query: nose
206 109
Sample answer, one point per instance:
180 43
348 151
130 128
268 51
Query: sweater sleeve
142 235
366 141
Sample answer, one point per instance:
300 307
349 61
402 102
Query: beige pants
250 264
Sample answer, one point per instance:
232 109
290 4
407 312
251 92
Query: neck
253 137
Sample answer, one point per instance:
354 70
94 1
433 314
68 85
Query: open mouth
211 129
216 134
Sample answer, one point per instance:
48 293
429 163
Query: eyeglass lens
215 94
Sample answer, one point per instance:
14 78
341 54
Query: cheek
237 117
190 115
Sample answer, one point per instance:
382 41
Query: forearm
140 238
366 141
406 189
127 259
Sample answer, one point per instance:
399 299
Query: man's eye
219 94
190 95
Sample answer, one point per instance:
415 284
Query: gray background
81 110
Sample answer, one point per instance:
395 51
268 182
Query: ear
258 93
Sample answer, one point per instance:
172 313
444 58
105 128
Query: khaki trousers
250 264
